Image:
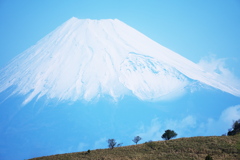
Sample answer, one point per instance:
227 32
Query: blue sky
198 30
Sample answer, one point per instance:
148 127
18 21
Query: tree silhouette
235 128
111 143
136 139
169 134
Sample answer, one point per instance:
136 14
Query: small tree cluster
169 134
235 128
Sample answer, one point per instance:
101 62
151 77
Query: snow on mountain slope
86 59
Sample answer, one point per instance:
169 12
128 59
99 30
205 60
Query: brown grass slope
224 147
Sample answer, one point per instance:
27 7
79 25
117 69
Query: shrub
235 128
208 157
169 134
119 144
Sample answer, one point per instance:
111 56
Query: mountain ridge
224 147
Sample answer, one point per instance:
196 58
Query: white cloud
157 127
221 125
190 125
101 143
152 132
213 65
82 146
230 114
219 68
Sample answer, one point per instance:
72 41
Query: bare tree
111 143
119 144
136 139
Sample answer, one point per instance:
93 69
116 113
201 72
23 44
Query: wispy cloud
100 143
157 127
152 132
222 124
230 114
82 146
190 125
219 67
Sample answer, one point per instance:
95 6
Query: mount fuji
86 59
55 95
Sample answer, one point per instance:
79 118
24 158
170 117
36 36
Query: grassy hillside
224 147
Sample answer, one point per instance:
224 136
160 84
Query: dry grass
224 147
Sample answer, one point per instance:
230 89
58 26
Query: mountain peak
92 20
87 59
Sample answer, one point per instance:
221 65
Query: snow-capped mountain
87 59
